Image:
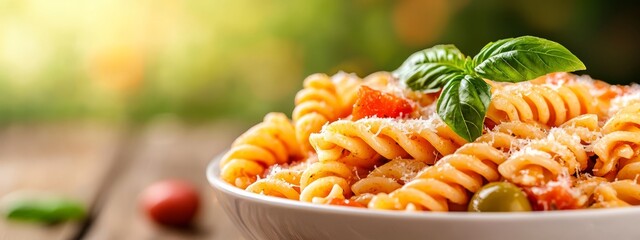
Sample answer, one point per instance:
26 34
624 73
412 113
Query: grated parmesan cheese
619 102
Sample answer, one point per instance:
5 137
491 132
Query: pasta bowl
265 217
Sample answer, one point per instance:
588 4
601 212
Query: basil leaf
45 210
429 77
524 58
463 104
428 69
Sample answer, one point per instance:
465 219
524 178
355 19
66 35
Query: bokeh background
196 60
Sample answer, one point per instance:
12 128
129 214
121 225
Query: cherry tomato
372 102
555 195
345 202
170 202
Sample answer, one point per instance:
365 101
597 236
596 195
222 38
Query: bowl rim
213 177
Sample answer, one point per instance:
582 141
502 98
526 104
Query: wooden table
106 166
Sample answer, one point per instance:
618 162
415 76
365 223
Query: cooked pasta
560 142
549 104
626 95
619 148
271 141
274 187
600 193
364 142
281 180
604 94
323 99
453 176
324 178
284 183
627 191
388 177
562 151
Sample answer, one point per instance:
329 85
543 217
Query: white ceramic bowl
264 217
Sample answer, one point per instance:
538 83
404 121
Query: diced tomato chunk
345 202
555 195
372 103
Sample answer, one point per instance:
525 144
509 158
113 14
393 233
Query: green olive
499 197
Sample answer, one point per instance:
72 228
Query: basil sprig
465 96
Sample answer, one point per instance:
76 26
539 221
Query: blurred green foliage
199 60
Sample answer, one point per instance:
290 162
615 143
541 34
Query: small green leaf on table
42 208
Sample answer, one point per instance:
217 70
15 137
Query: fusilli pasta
465 170
326 179
362 142
388 177
564 149
323 99
375 143
600 193
271 141
548 104
619 148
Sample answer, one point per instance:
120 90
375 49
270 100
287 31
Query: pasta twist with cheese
388 177
545 159
547 104
269 142
604 194
284 184
361 143
453 176
604 93
618 150
323 99
624 96
323 180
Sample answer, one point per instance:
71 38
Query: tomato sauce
555 195
372 103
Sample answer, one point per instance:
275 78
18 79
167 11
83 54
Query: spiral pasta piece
627 191
604 194
269 142
388 177
545 159
360 143
326 180
283 184
453 176
607 96
547 104
323 99
618 150
274 187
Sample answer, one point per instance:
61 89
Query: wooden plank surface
71 159
163 150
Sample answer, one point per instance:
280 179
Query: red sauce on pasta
556 195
